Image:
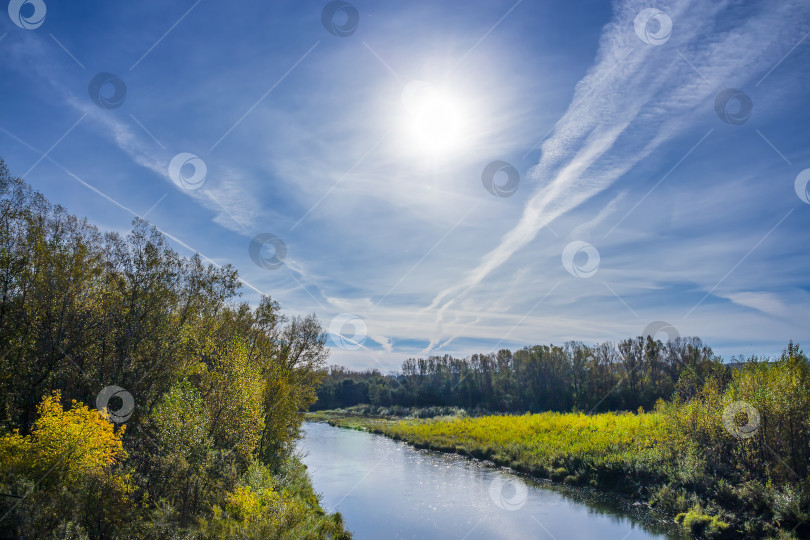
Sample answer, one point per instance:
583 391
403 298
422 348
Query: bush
67 475
268 506
700 525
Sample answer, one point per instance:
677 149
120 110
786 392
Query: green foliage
700 525
634 373
266 506
219 386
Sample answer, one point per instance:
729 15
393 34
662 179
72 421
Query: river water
386 489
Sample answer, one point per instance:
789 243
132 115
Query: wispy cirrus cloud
223 193
636 98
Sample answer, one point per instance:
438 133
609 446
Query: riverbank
281 504
626 453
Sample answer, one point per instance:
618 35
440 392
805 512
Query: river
386 489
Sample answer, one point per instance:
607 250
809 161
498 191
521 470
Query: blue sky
363 154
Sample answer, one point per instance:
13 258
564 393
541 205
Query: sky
437 178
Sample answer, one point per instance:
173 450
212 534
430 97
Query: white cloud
761 301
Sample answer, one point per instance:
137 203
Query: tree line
633 373
138 396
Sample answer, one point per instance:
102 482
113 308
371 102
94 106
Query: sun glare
434 120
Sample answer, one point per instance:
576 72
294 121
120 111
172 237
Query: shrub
67 475
701 525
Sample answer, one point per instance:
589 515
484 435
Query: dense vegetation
217 388
726 457
634 373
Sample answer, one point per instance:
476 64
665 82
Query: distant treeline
633 373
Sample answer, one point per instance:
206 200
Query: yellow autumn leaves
64 446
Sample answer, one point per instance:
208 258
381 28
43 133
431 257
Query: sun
435 119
